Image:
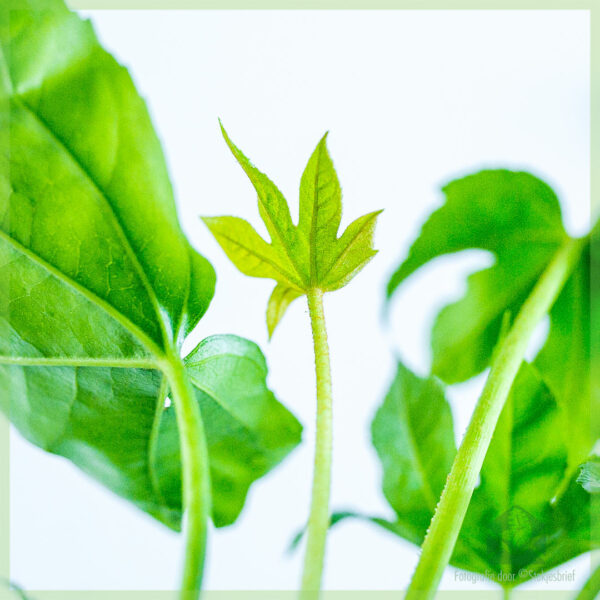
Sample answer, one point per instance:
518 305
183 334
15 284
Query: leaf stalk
448 518
196 475
319 518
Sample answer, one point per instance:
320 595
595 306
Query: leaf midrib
313 221
346 250
288 277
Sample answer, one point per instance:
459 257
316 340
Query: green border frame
593 6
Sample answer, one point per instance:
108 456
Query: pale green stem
196 475
318 521
452 507
591 588
506 593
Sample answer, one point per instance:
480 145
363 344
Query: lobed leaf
309 256
516 217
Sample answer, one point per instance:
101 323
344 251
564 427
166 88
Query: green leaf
517 218
275 213
352 252
247 250
589 476
299 258
102 286
320 208
413 435
250 431
510 515
515 525
279 301
564 362
113 424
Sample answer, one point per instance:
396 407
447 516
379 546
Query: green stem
450 513
506 593
318 521
196 475
591 588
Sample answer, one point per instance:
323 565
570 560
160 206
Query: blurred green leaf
565 363
589 475
517 218
515 525
413 435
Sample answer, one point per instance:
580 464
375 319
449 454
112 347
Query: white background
412 99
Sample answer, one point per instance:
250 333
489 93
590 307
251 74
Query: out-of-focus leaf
589 475
517 218
514 526
565 363
414 438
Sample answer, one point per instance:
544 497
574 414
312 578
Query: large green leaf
102 285
516 217
515 525
303 257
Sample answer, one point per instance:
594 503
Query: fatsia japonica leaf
101 285
303 257
517 218
515 523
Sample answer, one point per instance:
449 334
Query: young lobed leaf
303 257
101 282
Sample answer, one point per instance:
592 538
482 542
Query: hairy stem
318 521
196 475
450 513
